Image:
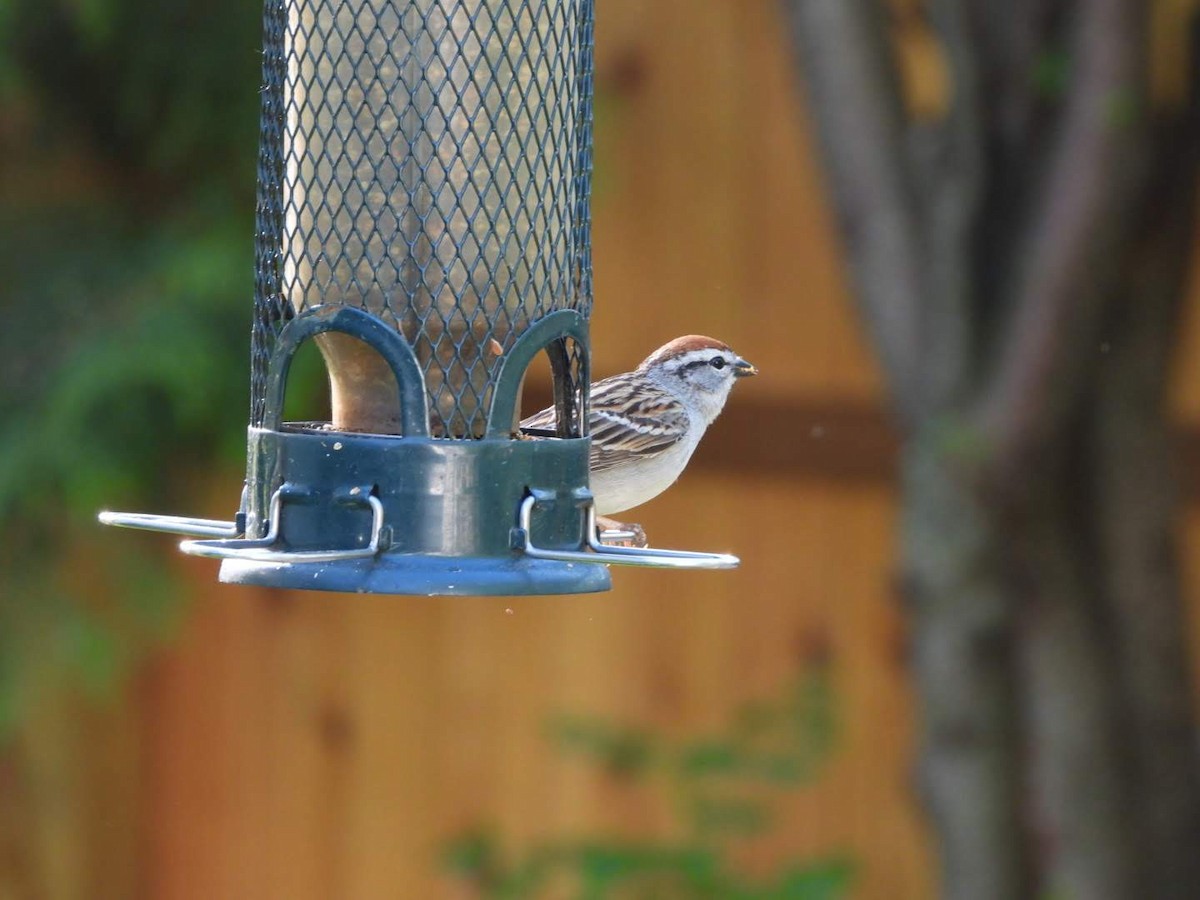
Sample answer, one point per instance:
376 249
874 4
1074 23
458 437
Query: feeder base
429 576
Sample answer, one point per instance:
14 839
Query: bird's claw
621 534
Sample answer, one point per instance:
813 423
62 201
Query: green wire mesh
427 161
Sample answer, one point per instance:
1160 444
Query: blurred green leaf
126 227
729 816
623 751
824 881
94 650
725 788
1051 72
1124 108
706 757
472 855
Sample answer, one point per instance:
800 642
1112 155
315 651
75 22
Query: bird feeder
423 217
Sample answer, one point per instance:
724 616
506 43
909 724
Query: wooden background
299 745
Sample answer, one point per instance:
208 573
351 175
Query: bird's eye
717 362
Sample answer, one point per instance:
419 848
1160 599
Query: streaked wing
628 420
546 420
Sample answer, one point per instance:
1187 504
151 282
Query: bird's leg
632 534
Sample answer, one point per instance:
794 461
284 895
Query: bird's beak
741 368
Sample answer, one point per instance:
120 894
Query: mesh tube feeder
423 217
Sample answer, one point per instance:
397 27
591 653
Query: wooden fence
299 745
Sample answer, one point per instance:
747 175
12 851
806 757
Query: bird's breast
633 483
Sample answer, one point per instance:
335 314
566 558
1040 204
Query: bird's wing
627 420
546 420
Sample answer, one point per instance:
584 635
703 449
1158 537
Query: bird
646 424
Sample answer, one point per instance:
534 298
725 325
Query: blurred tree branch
1077 228
855 93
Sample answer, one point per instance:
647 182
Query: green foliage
1124 108
723 788
126 222
1051 77
162 91
1051 73
109 417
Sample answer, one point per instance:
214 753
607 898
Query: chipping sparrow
645 424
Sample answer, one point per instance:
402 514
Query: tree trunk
990 244
1081 791
963 627
1137 511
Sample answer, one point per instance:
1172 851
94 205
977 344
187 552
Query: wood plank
329 746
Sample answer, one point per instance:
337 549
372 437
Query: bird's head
699 370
